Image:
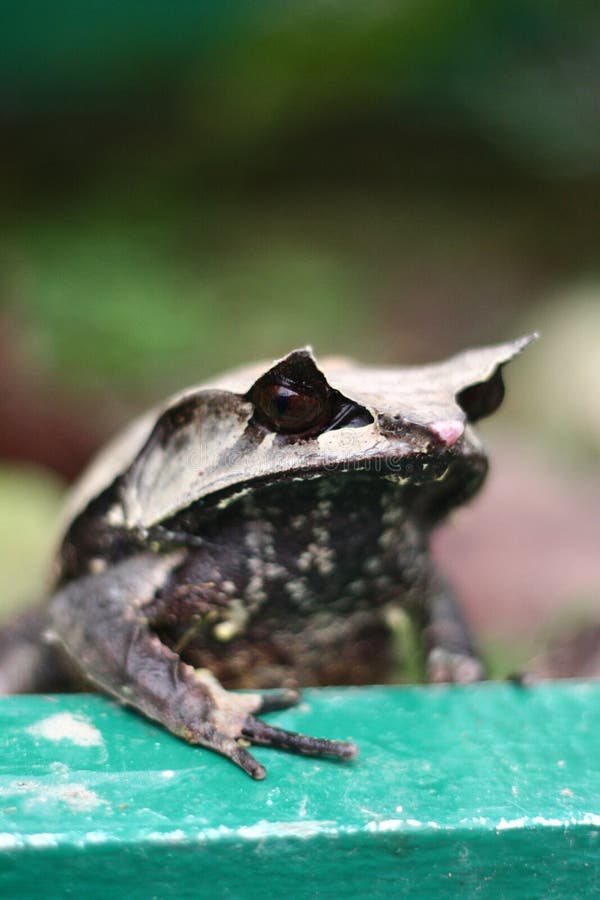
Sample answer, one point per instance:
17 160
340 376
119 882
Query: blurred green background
187 186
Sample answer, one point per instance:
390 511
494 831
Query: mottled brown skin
312 569
278 579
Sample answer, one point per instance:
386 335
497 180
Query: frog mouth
162 485
434 484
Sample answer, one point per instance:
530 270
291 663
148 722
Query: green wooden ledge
485 791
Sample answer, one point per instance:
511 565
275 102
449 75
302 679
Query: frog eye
288 410
295 400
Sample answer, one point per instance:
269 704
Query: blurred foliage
28 514
562 388
190 185
125 305
524 73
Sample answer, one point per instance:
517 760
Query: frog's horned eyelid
528 339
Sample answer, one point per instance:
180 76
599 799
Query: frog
263 531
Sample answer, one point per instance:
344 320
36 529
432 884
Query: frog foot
236 727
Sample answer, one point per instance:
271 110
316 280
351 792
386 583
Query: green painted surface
486 791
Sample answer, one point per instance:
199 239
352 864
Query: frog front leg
100 621
450 653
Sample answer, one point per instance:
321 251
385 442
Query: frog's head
299 419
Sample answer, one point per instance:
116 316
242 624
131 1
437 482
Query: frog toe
264 734
279 699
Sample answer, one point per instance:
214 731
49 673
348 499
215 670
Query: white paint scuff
67 727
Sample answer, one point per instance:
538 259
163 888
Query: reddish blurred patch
576 655
526 549
42 424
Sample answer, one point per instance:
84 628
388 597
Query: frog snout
447 431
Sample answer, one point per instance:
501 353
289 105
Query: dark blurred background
188 186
